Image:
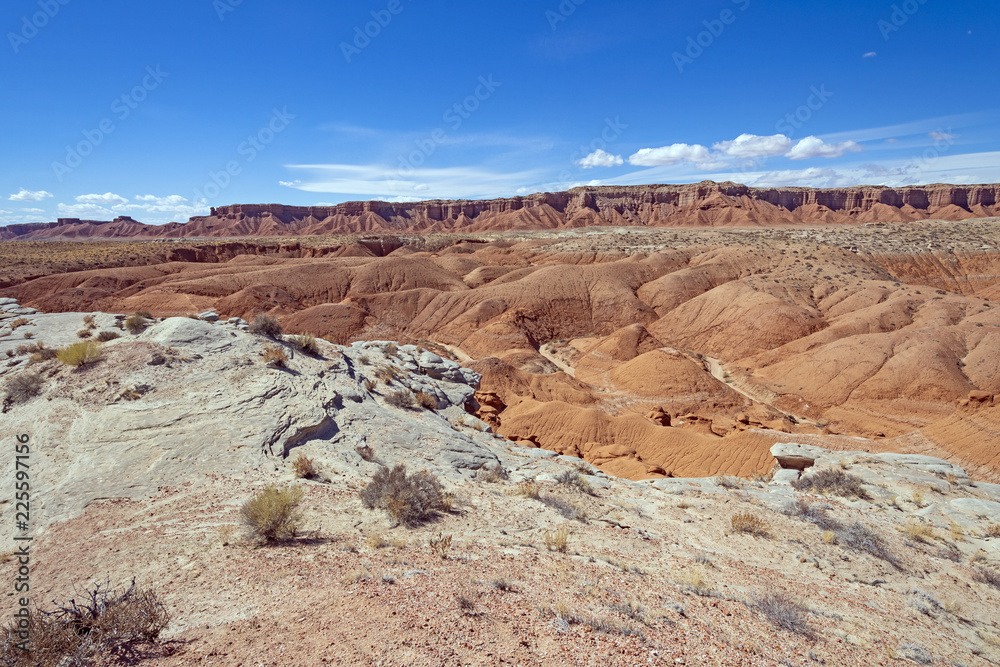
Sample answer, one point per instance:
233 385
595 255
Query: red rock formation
697 204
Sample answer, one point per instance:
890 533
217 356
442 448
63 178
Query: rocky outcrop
697 204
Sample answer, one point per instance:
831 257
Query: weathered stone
796 456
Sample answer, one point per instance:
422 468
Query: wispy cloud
870 54
412 184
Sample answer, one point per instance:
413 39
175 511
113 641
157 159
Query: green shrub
274 513
79 354
408 499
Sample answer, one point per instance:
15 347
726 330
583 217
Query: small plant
144 314
387 374
99 624
105 336
306 343
273 513
985 575
274 356
505 585
694 580
465 603
860 537
784 611
492 475
992 530
919 531
567 508
441 544
401 398
304 468
265 325
366 453
409 499
729 482
377 541
42 353
829 537
557 540
88 321
749 523
28 335
425 400
370 385
23 387
833 480
136 324
227 535
529 489
19 322
957 532
79 354
575 480
84 333
918 498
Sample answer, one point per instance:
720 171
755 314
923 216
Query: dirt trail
565 368
751 391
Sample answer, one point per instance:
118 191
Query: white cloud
754 146
672 154
33 210
811 147
85 211
941 136
870 54
107 199
413 184
28 195
600 158
289 184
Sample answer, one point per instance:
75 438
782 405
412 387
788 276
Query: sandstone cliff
698 204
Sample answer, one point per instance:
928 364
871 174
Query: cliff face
698 204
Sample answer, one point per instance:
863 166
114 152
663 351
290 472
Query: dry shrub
408 499
88 321
370 384
136 324
105 336
746 522
79 354
19 322
23 387
567 508
919 531
387 373
784 611
441 544
265 325
694 580
274 513
557 540
144 314
98 624
274 356
366 453
729 482
42 353
833 480
506 585
574 479
985 575
84 333
492 475
28 335
401 398
426 401
304 467
306 343
993 530
529 489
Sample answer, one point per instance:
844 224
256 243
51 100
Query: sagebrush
410 499
265 325
274 514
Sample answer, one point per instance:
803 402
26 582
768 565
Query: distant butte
707 204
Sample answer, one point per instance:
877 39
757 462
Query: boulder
196 335
659 416
796 456
209 316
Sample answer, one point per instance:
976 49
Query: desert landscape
692 431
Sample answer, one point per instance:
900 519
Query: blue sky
160 110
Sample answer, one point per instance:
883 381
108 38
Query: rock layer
697 204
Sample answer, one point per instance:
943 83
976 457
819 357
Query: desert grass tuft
79 354
746 522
